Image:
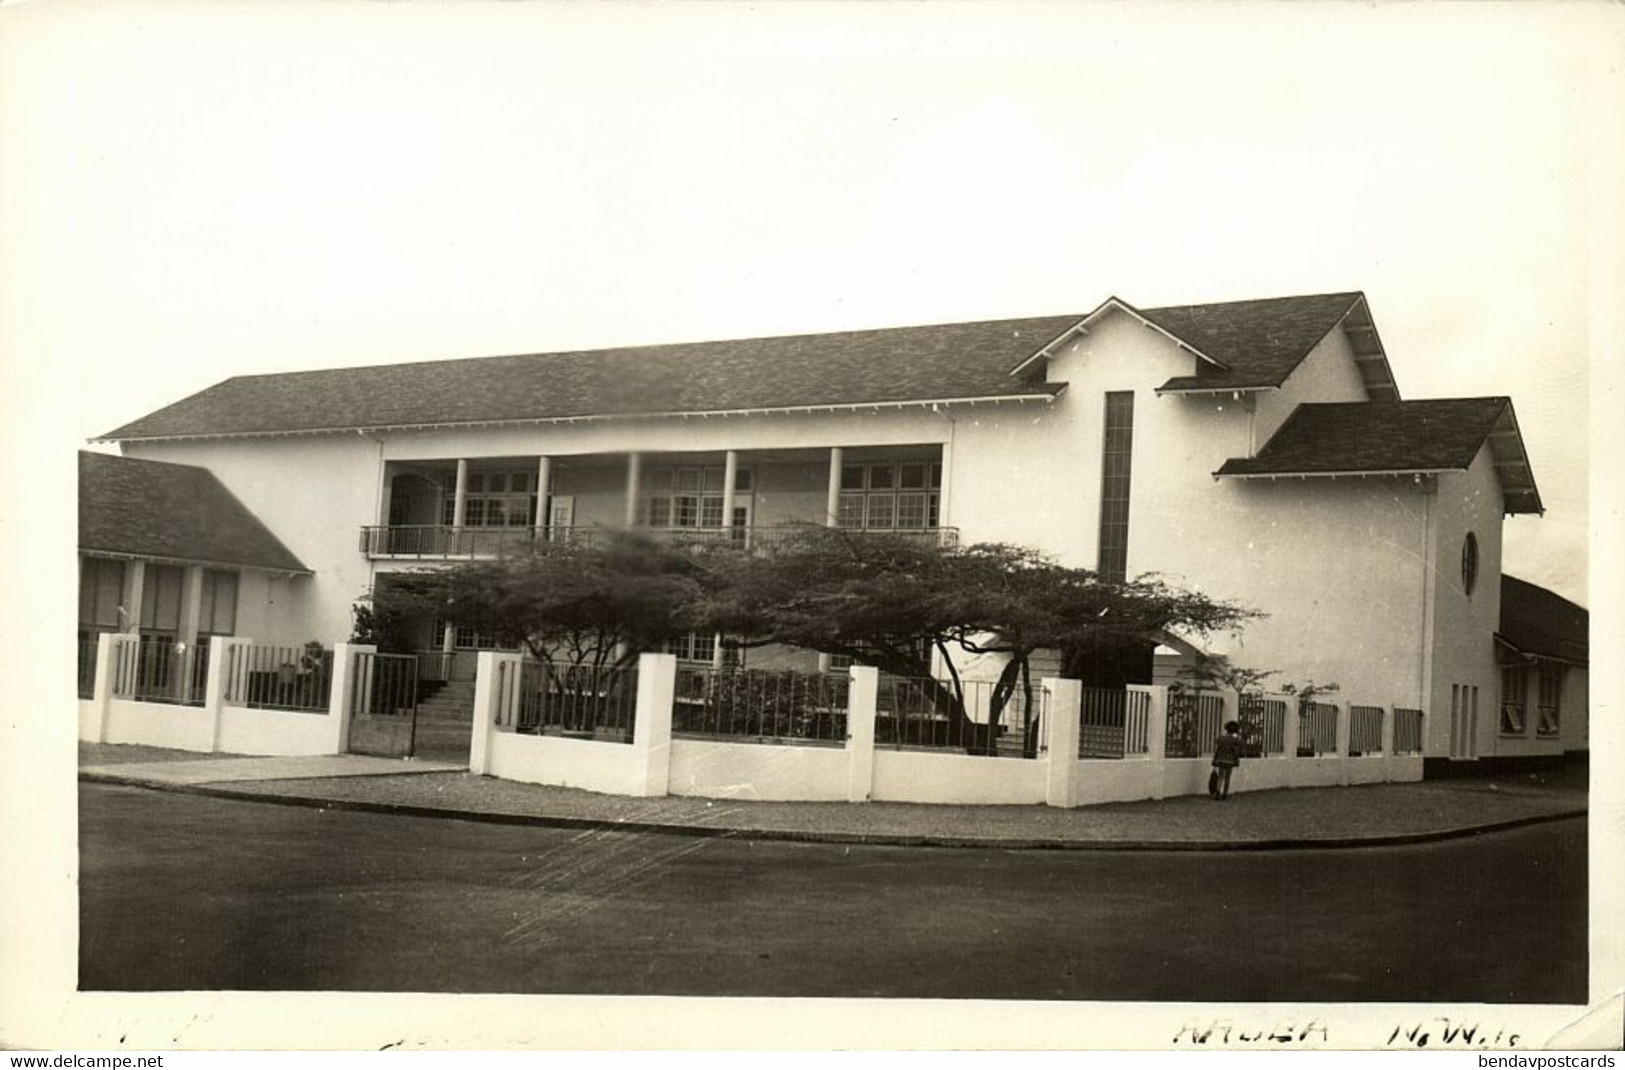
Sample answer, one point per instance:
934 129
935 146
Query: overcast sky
255 188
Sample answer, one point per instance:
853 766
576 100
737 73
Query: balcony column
544 480
191 605
459 500
832 500
134 593
730 473
634 473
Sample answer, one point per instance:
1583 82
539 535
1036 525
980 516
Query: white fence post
214 687
496 691
1231 700
860 732
1156 735
340 704
1064 699
651 731
1291 722
1345 718
1388 742
102 687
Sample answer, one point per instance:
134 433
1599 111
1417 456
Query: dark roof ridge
653 348
1353 295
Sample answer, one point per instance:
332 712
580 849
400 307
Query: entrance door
741 522
561 517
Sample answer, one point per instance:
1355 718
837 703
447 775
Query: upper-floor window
900 495
495 500
1469 563
690 496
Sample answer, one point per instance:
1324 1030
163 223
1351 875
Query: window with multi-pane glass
101 592
161 599
464 638
217 608
1514 699
695 646
690 496
496 500
889 495
1116 464
1549 714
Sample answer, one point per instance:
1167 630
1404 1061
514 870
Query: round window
1469 563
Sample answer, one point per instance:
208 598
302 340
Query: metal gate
384 705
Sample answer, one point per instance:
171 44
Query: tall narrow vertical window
1115 463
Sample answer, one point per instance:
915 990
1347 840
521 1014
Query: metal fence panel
538 698
1113 724
1317 729
280 678
933 714
1263 725
760 705
1407 731
1365 730
384 685
1195 719
157 668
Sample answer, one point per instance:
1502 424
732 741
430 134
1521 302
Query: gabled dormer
1243 347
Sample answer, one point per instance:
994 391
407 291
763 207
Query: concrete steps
445 722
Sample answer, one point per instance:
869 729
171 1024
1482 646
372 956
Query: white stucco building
1256 450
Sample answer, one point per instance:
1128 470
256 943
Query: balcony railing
446 541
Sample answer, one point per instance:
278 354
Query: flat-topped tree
596 604
908 608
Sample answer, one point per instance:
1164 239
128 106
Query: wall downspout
1424 683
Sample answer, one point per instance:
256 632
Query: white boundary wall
216 725
656 764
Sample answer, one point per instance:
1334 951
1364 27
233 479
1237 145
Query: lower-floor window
466 639
1514 699
694 646
1548 720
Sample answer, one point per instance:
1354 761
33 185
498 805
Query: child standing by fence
1226 756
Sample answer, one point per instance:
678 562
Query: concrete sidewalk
1370 815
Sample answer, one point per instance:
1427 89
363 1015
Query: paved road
184 892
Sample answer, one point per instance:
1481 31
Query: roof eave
166 559
1348 473
1256 389
1055 390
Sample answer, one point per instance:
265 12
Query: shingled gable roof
175 513
1238 345
849 369
1397 437
1543 623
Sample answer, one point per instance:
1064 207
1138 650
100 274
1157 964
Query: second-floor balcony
448 542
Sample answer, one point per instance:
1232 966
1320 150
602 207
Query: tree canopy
905 606
597 603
